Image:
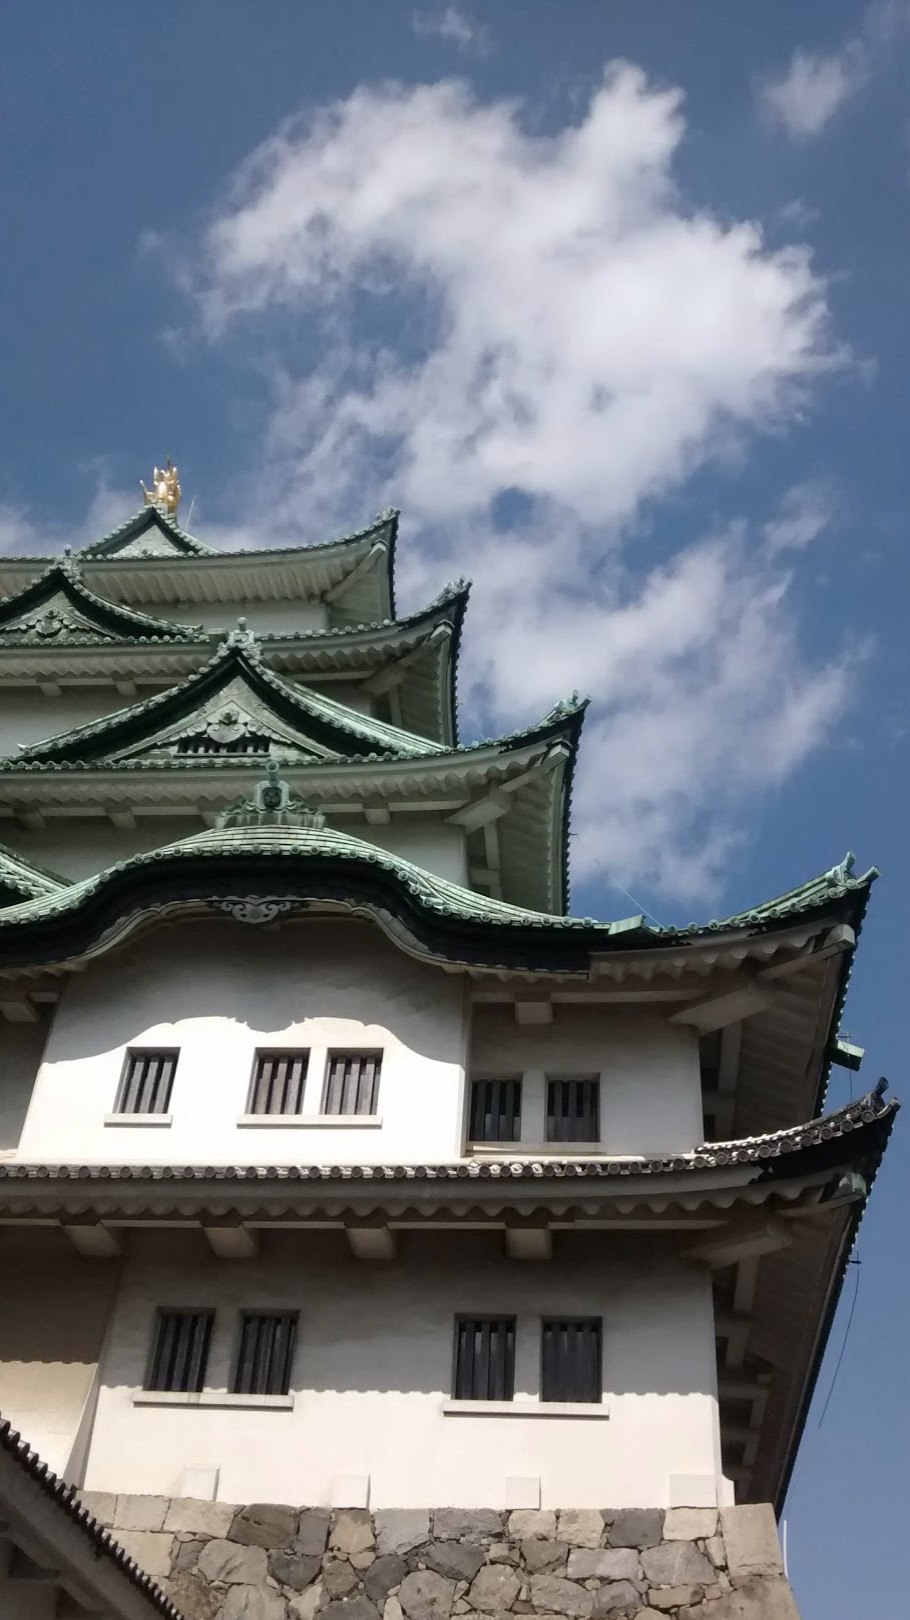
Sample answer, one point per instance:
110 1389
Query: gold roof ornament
165 491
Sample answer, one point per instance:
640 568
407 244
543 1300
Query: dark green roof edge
147 517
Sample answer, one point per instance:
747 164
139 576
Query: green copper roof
831 885
24 880
337 728
148 517
83 618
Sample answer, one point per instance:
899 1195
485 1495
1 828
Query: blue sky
611 299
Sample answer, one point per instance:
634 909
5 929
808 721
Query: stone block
339 1578
193 1598
541 1555
306 1607
636 1527
530 1522
424 1595
494 1590
761 1597
294 1569
352 1532
689 1524
452 1558
354 1608
185 1554
459 1524
386 1571
674 1597
581 1527
676 1563
615 1599
750 1537
151 1550
254 1603
102 1505
553 1594
400 1529
200 1518
264 1524
232 1563
717 1552
499 1552
313 1531
140 1512
603 1563
392 1610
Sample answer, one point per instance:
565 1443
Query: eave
352 575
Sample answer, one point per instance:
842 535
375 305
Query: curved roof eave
63 576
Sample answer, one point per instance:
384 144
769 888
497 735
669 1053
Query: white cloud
804 98
805 512
524 340
452 25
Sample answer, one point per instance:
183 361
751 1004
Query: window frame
463 1317
273 1312
348 1052
131 1053
593 1080
205 1313
577 1321
262 1052
517 1081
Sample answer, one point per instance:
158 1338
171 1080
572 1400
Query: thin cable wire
856 1263
636 903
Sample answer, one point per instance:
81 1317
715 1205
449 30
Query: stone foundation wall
267 1562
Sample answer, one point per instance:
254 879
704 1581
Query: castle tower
340 1165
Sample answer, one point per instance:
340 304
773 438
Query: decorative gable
150 533
234 721
58 609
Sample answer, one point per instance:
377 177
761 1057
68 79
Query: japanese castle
341 1165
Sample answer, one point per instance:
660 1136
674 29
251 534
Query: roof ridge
70 577
140 520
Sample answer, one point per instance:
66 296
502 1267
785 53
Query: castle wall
21 1049
218 991
372 1377
264 618
27 716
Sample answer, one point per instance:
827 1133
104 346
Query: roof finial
165 491
272 805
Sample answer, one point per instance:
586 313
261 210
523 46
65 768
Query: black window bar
265 1353
573 1110
484 1358
181 1350
278 1081
146 1084
495 1110
570 1360
352 1083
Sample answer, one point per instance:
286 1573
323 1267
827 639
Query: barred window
265 1353
570 1360
495 1110
573 1110
201 743
147 1080
278 1081
181 1350
484 1358
352 1083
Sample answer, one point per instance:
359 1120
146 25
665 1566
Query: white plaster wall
27 716
52 1326
266 618
21 1048
78 847
650 1092
373 1367
220 990
434 845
